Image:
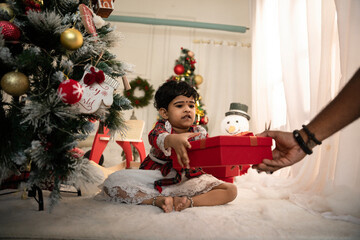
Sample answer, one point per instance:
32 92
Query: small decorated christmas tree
57 76
185 71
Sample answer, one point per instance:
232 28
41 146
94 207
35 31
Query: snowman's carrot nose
231 129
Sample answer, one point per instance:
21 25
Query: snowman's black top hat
238 109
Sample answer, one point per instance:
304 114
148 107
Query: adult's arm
340 112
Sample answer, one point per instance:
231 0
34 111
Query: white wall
154 49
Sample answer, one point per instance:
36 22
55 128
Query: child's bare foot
181 203
165 203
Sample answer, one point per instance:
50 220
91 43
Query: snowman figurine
236 120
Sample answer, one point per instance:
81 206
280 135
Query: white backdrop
227 79
223 58
309 63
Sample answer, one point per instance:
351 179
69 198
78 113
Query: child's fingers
191 135
185 159
179 160
187 164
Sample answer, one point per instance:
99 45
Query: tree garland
143 85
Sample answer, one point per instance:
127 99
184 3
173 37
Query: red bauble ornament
204 120
70 91
10 31
179 69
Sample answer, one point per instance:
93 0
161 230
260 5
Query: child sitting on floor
156 182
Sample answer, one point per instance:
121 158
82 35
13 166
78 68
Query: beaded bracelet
311 135
301 142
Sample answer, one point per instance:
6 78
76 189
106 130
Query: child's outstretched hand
179 142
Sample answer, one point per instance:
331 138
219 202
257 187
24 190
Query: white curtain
300 62
224 66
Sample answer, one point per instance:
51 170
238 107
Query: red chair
132 137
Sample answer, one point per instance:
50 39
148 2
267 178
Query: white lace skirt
136 185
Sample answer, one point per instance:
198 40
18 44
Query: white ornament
96 94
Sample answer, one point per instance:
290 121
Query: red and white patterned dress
156 174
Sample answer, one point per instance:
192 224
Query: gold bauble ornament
198 79
15 83
7 8
71 39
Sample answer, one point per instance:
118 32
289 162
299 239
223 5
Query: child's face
180 113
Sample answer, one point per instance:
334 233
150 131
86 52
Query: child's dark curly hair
170 90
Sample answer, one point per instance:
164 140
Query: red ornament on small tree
70 91
179 69
204 120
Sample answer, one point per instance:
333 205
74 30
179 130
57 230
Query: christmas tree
55 64
185 71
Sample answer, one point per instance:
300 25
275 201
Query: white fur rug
248 217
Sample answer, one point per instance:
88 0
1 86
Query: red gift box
218 155
227 151
225 179
223 171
